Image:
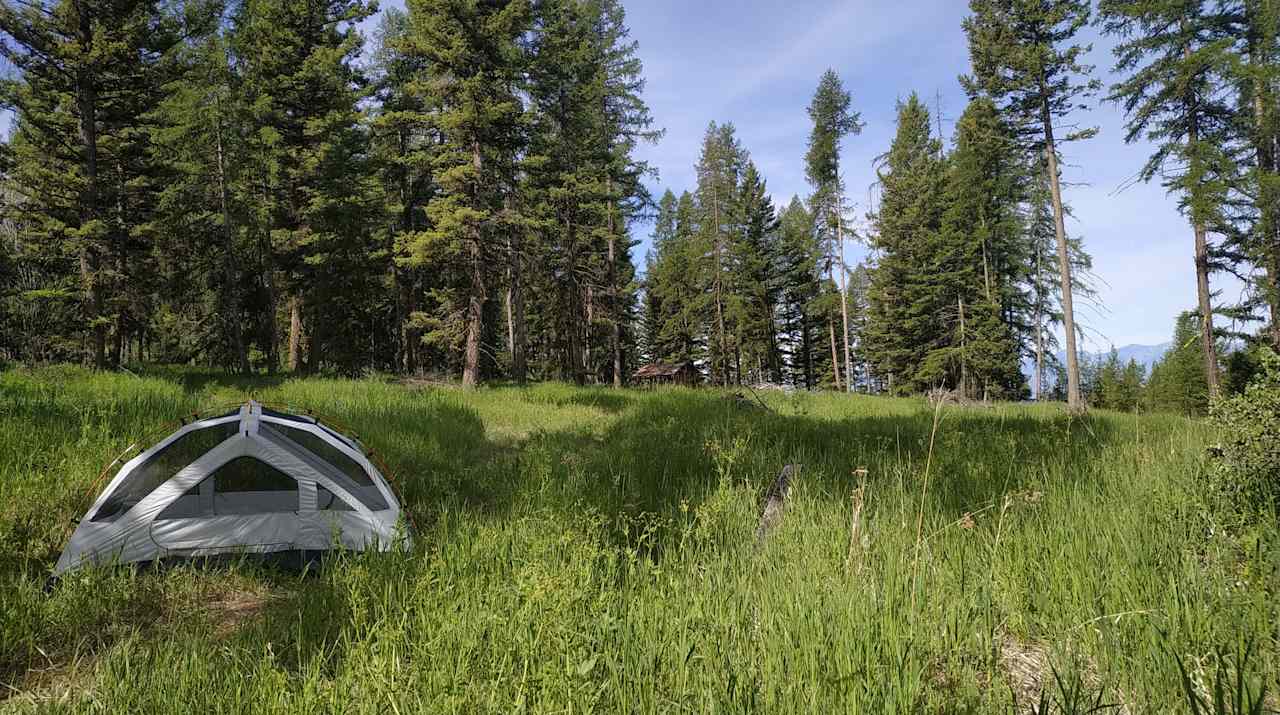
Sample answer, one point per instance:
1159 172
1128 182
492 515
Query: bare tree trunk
515 311
724 347
835 355
806 343
1064 261
87 103
615 317
1203 295
475 304
1207 342
1039 322
844 294
295 334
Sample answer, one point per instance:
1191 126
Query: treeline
244 183
972 267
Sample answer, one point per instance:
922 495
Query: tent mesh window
367 493
159 467
328 501
250 486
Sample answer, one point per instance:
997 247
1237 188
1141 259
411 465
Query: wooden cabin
685 373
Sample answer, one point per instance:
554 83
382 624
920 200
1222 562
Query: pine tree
1256 72
472 48
86 71
1024 57
1178 382
403 146
909 218
756 264
200 215
973 289
719 171
832 121
1175 55
303 89
799 259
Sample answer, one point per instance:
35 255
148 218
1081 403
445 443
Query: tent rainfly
252 480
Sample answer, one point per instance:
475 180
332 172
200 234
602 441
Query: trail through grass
591 550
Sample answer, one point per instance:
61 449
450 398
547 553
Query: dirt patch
1026 666
230 610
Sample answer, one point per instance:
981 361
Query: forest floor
591 550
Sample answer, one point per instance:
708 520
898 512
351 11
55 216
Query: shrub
1248 463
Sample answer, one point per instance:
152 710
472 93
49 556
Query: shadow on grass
676 449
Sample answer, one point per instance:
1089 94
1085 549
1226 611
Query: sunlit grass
591 550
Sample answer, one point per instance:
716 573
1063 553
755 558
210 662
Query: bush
1248 464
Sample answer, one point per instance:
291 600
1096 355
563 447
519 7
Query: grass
590 550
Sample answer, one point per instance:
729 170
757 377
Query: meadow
585 550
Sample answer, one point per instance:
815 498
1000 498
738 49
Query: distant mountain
1146 355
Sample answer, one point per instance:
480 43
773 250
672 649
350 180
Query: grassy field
591 550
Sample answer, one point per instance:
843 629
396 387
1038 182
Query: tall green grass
590 550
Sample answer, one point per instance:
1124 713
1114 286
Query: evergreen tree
1178 382
1024 57
473 49
832 119
973 288
909 218
798 271
720 223
757 262
1175 56
86 71
402 145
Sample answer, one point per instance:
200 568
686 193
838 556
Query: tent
252 480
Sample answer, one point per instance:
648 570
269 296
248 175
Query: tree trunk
1039 323
1064 261
515 309
615 314
1207 343
232 286
844 294
87 103
806 342
475 303
835 355
295 334
1203 295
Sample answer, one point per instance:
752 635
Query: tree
86 69
403 148
1175 56
833 120
974 288
798 273
911 176
719 172
1178 381
472 47
757 262
1024 57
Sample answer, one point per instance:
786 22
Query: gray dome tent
252 480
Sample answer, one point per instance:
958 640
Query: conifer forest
259 186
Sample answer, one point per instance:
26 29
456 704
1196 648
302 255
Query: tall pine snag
1024 56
